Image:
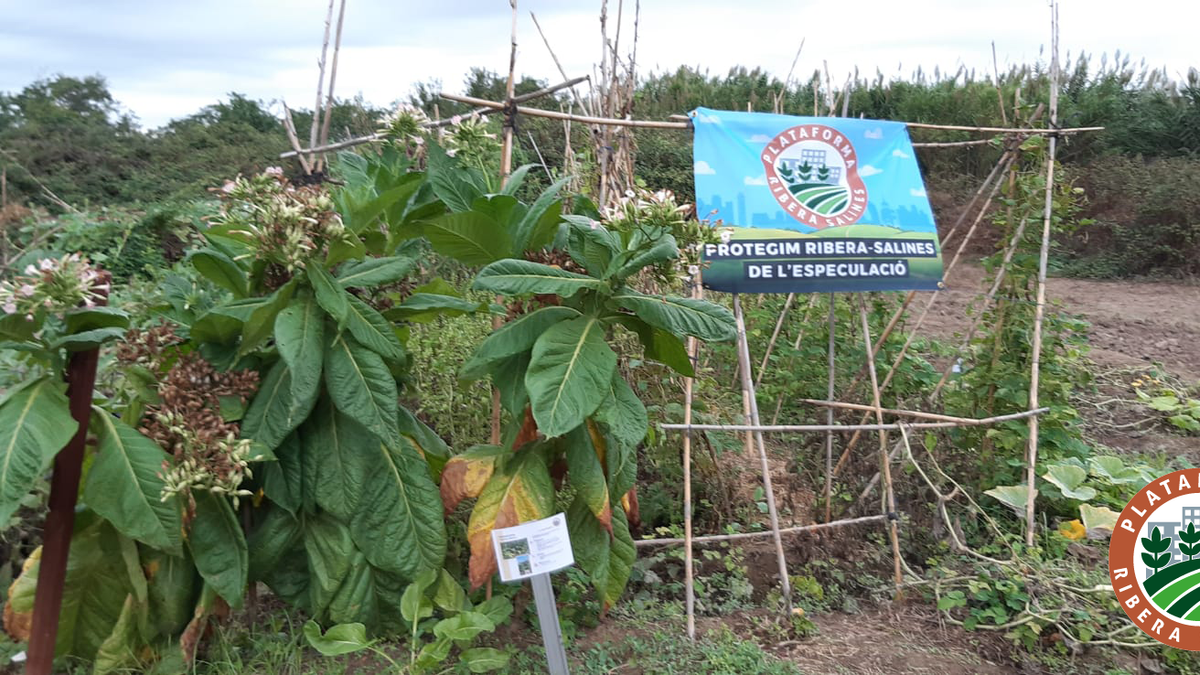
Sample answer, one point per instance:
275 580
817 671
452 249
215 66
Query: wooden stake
713 538
889 500
505 172
812 300
791 428
337 46
774 336
829 412
60 522
316 118
693 349
289 126
1039 314
554 114
769 490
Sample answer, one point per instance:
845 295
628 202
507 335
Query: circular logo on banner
812 170
1154 559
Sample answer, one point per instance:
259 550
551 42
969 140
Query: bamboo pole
768 488
337 47
289 126
557 63
789 428
481 110
920 321
714 538
1039 313
987 303
538 112
812 300
829 413
936 417
955 144
505 171
1005 130
689 582
888 499
791 297
316 119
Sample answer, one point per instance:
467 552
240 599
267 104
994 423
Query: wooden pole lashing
749 395
1040 311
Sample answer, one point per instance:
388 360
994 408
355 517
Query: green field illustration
1174 588
821 198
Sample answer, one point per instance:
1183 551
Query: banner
817 205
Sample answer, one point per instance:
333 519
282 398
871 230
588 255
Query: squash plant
570 407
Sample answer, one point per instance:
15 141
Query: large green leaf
1069 479
221 270
594 249
341 454
517 277
521 492
372 331
623 413
586 451
119 651
399 525
425 440
344 638
272 539
454 184
218 546
361 386
300 338
467 473
94 591
606 557
663 250
536 229
361 217
508 376
374 272
283 480
470 237
514 337
274 412
261 322
35 423
342 585
424 307
681 316
569 374
332 297
124 486
171 591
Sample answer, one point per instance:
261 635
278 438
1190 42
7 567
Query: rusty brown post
64 491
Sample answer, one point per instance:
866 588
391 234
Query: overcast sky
167 58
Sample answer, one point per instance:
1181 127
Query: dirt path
1133 323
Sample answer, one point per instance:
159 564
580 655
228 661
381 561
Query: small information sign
532 548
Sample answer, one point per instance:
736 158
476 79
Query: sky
165 59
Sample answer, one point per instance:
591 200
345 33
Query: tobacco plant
571 411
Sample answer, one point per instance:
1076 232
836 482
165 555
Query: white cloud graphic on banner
759 138
703 168
900 153
760 180
917 192
707 119
874 133
868 170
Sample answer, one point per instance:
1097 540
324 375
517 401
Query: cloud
916 192
868 170
900 153
702 168
707 119
753 180
874 133
759 138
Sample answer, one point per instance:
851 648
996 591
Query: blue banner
815 204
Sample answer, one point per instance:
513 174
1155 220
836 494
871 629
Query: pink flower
228 187
273 171
46 264
456 120
10 307
27 291
31 270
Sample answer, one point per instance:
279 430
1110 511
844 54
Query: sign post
532 551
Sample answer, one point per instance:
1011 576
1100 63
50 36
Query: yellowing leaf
1073 530
465 475
519 493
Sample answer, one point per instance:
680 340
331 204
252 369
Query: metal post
552 638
